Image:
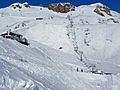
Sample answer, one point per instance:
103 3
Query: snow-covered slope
57 43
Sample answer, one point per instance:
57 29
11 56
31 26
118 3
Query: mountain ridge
65 51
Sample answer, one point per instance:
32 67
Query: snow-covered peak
20 5
95 4
16 4
78 50
25 3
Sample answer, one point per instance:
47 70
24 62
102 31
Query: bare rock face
100 9
15 6
62 7
26 5
19 6
113 20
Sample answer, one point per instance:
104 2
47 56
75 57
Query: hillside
61 45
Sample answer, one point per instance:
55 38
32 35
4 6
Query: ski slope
51 62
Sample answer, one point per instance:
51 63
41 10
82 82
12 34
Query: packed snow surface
52 61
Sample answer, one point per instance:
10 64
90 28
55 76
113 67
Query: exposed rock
100 9
112 19
98 12
26 5
62 7
16 6
19 6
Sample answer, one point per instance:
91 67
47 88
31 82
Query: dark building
14 36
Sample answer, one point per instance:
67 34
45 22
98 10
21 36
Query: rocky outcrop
15 6
113 20
26 5
62 7
100 9
19 6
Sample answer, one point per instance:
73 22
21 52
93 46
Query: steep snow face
43 68
50 62
32 70
57 37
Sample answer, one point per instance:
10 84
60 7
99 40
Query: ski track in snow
58 42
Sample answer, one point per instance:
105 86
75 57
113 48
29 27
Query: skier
77 70
81 70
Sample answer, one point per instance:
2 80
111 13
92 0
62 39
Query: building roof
10 33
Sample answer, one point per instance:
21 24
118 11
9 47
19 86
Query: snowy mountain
78 50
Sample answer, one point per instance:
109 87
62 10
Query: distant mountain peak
96 4
101 9
62 7
20 5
